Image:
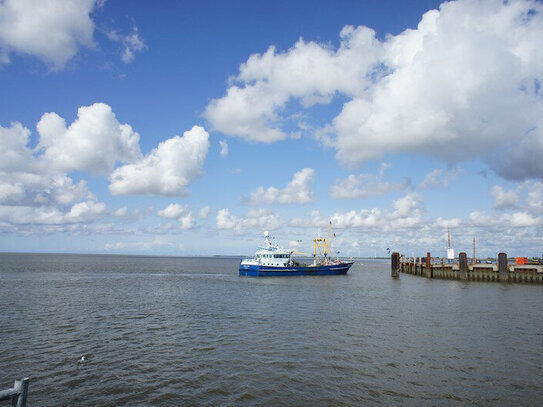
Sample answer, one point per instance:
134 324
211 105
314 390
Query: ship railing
17 394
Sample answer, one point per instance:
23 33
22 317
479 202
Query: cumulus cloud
407 213
445 89
167 170
366 185
259 219
25 181
297 191
309 72
94 142
51 30
504 199
182 213
452 83
443 223
520 219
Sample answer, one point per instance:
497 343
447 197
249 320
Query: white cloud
259 219
503 221
443 223
93 142
173 211
407 213
14 154
453 82
534 199
121 212
204 212
437 178
49 215
365 185
85 211
131 43
297 191
224 148
35 188
167 170
182 213
445 89
315 220
504 199
308 71
52 30
27 180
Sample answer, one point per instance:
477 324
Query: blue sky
189 128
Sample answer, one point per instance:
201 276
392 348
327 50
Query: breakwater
462 270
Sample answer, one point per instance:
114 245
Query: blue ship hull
271 271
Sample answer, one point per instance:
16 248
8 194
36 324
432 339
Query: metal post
17 394
503 267
395 265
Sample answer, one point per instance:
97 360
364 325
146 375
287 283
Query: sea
93 330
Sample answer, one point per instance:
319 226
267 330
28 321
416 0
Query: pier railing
463 270
17 394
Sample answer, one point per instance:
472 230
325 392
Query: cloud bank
464 84
36 184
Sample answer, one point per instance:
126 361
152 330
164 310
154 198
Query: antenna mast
474 257
450 250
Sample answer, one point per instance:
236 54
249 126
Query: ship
273 260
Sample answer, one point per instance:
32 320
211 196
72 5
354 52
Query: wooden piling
428 265
503 267
463 265
502 271
395 265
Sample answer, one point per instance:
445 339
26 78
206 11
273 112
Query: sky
191 127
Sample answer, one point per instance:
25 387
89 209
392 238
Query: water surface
190 331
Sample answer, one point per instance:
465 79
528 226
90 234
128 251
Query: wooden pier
462 270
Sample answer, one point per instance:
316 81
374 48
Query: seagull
82 360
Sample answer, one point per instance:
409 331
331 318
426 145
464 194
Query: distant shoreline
224 256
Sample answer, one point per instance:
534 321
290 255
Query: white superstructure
270 255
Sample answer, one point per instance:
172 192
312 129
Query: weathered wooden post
463 265
395 265
428 265
503 267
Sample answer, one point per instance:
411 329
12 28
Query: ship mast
323 243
